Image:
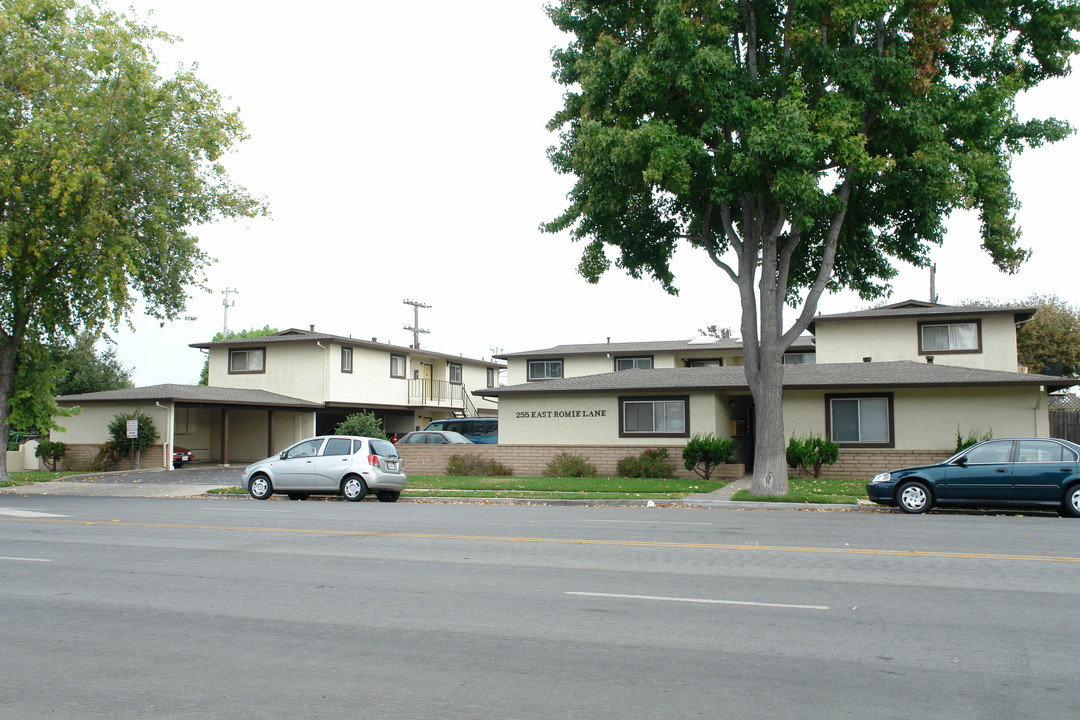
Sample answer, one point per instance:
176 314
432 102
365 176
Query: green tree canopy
802 146
105 167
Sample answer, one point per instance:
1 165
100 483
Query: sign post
132 433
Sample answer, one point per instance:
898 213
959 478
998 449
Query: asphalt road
231 608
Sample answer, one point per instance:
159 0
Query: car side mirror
284 454
962 460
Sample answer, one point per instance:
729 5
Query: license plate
391 466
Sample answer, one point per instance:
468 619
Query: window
708 362
338 446
1044 451
397 366
346 359
654 417
800 358
991 453
454 372
633 363
491 375
860 419
545 369
248 360
950 337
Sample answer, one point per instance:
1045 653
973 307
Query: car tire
353 488
1070 504
388 495
298 496
914 497
261 488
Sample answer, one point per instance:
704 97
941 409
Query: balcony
440 393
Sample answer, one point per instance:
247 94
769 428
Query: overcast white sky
402 150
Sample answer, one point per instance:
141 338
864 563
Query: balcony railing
440 393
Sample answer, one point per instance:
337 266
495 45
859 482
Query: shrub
121 443
567 465
364 424
704 452
51 453
473 464
973 437
649 464
106 459
811 452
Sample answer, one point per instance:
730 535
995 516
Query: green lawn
813 490
25 478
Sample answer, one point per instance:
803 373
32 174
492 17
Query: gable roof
296 335
840 376
921 309
189 394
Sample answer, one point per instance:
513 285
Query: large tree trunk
770 446
9 352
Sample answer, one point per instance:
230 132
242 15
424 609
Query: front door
984 473
426 372
296 471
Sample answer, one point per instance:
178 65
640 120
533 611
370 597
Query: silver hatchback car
329 465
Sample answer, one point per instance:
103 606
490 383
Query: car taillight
373 461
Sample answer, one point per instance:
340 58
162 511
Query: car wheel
388 495
1070 506
353 488
913 497
177 466
298 496
261 488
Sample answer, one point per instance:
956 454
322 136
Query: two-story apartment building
892 385
266 392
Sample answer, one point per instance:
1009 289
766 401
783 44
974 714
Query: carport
222 425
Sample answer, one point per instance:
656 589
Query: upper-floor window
491 375
796 358
705 362
397 366
634 363
454 372
247 360
545 369
346 359
950 337
860 419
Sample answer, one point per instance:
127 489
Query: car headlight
882 477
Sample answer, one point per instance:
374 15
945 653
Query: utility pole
933 283
415 329
226 292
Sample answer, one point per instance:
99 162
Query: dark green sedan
1020 472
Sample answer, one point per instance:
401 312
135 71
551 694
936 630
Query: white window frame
547 364
248 354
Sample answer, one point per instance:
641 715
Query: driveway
188 481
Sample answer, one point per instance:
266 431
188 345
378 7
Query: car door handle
1002 470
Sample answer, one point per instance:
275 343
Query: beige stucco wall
928 418
311 372
91 425
892 339
597 363
592 419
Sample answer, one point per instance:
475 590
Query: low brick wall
79 456
530 460
865 463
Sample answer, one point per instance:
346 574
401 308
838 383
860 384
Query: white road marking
255 510
701 600
26 559
649 522
27 513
